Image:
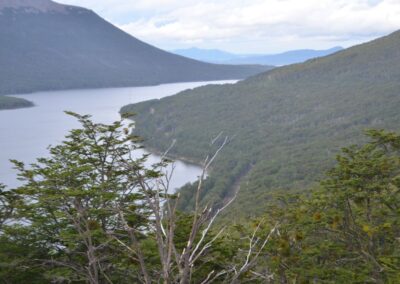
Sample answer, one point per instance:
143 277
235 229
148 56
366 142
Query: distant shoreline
12 103
14 94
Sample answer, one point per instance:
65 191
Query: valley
277 162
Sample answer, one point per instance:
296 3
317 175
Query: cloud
226 22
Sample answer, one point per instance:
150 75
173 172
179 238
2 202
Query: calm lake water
26 133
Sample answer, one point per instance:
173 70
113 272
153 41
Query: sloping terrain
285 124
49 46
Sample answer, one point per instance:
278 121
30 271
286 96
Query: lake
26 133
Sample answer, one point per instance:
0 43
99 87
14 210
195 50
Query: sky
250 26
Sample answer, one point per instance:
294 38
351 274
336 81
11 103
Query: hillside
49 46
284 58
285 124
12 103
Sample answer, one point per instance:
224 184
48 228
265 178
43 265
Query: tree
8 201
181 259
92 212
365 190
348 228
71 196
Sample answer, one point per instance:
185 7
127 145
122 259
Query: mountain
207 55
50 46
285 58
284 125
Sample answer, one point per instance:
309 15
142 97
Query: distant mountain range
207 55
49 46
285 58
285 125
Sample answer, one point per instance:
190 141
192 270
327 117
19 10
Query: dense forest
283 126
50 46
11 102
91 213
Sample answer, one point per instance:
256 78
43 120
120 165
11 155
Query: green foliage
284 125
18 250
81 217
347 230
68 204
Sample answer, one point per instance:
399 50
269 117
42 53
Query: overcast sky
250 26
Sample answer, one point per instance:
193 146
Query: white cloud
252 25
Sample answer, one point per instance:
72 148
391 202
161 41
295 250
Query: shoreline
32 92
173 157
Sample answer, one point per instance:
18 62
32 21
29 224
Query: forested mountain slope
284 125
49 46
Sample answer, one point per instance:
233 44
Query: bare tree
93 200
178 265
256 247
